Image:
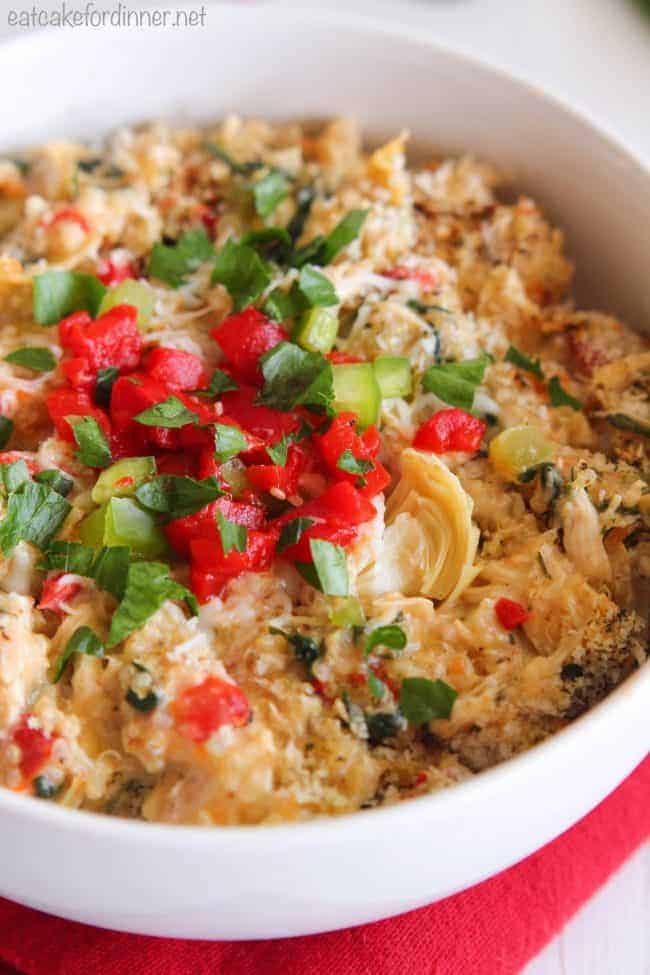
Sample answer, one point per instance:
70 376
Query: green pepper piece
131 292
121 480
356 390
121 521
316 330
393 374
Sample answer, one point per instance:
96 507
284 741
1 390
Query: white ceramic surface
264 882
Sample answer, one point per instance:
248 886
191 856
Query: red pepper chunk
450 429
510 614
112 339
35 747
78 373
58 590
63 404
201 710
70 215
337 514
177 369
426 278
244 337
261 421
342 436
181 532
111 273
273 477
212 570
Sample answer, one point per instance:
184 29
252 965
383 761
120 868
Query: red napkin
491 929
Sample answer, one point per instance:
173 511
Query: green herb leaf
143 704
176 496
323 250
281 305
293 531
353 465
559 396
273 243
172 263
304 199
83 640
13 475
242 169
44 789
34 514
455 382
376 686
305 648
220 383
279 451
623 422
240 269
111 567
148 586
229 441
392 636
59 293
383 725
70 557
331 567
34 357
171 413
94 450
104 386
316 288
268 192
6 429
522 361
421 700
233 536
293 377
56 480
423 309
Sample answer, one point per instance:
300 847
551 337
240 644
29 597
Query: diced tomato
273 477
341 358
128 443
261 421
510 614
35 747
201 710
338 512
426 278
450 429
246 336
110 272
182 464
132 395
57 590
342 436
113 339
78 373
181 532
209 466
64 403
72 216
12 456
212 570
177 369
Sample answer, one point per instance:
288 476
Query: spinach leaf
234 537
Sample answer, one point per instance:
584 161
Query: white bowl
255 882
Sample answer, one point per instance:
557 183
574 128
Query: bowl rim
490 781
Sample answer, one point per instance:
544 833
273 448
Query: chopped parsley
354 465
316 288
269 192
629 423
171 413
104 386
34 357
220 383
94 449
234 537
148 586
13 475
172 263
229 441
59 293
322 250
56 480
330 566
34 514
560 397
6 429
242 272
293 531
296 377
242 169
176 496
83 640
143 704
421 700
108 567
392 636
456 382
522 361
305 648
70 557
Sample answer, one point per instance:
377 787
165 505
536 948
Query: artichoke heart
430 541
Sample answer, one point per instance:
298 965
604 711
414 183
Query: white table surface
596 54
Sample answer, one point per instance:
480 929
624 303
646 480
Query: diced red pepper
341 436
177 369
35 747
246 336
510 614
260 421
70 215
58 590
112 339
212 570
201 710
426 278
181 532
132 395
273 477
182 464
342 358
450 429
338 512
110 272
64 403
